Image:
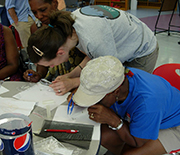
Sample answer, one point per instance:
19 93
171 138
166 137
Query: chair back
170 72
23 56
168 5
71 5
16 36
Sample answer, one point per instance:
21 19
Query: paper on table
3 90
42 95
79 115
10 105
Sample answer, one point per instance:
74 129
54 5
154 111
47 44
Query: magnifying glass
45 82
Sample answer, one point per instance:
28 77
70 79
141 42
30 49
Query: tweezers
70 106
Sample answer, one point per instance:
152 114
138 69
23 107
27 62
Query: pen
58 130
6 79
30 74
2 81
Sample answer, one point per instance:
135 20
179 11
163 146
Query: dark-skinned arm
105 115
12 55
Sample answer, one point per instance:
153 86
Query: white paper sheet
79 115
10 105
43 95
3 90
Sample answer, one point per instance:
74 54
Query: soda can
16 135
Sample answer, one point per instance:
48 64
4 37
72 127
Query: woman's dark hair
46 1
49 39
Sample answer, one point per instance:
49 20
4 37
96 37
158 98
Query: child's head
49 39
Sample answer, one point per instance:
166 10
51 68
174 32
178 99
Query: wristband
118 127
80 67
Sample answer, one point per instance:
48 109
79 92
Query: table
37 121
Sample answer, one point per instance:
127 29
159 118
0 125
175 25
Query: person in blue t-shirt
139 112
21 17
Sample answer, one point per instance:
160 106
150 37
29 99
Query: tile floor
169 49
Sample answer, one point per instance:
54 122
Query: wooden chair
167 5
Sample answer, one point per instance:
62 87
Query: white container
133 4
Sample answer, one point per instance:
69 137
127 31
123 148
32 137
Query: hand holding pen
31 76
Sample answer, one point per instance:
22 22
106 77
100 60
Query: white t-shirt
103 30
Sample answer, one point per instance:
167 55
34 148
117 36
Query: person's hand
31 76
102 114
62 84
16 22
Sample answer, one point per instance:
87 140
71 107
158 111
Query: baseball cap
99 77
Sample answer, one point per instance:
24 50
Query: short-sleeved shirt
75 58
22 10
103 30
152 104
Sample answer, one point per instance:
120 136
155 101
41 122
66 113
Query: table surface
13 86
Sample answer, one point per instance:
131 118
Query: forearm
13 15
76 72
41 70
123 132
8 71
125 135
76 82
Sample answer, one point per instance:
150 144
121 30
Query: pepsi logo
21 144
13 133
1 145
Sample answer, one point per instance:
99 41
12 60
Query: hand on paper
63 84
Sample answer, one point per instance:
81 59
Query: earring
117 98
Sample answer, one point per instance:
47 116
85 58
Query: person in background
139 112
61 5
21 17
41 10
9 56
3 14
96 31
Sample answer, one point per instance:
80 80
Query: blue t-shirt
152 104
22 10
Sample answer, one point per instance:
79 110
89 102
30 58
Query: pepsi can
15 135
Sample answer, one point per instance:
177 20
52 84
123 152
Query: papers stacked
10 105
42 95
